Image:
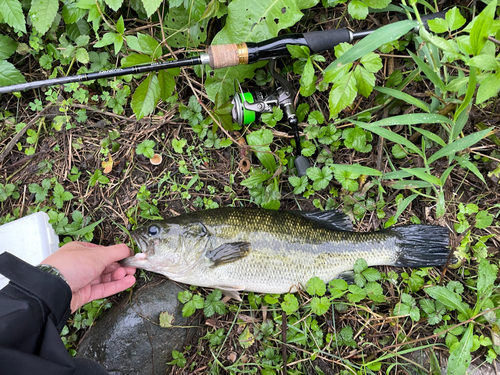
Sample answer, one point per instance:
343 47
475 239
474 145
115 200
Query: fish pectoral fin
348 276
228 252
230 292
330 219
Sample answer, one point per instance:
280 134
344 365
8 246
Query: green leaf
115 4
483 220
9 75
357 9
256 179
307 86
360 265
106 40
487 275
146 96
454 19
320 306
82 56
480 30
290 304
364 81
42 14
391 136
178 144
371 274
151 6
372 62
298 52
438 25
403 96
316 286
135 59
460 358
356 294
451 300
342 94
489 87
321 177
7 47
167 82
166 319
357 169
12 13
84 230
431 74
459 145
260 141
146 148
370 43
424 176
184 26
433 137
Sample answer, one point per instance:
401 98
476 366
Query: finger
114 253
108 289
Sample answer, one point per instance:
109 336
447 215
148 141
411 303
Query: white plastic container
30 238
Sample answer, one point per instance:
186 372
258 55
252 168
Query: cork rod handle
226 55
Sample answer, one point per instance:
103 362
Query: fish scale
243 249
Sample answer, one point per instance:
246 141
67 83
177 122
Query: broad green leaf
106 40
307 87
424 176
358 169
454 19
151 6
489 87
146 96
484 62
220 86
357 9
316 286
460 358
387 134
120 26
403 96
383 35
84 230
459 145
7 47
483 220
320 306
115 4
9 75
438 25
149 45
431 74
451 300
372 62
167 82
364 81
184 27
487 274
481 27
135 59
82 56
342 94
256 179
42 14
13 14
71 13
290 303
260 141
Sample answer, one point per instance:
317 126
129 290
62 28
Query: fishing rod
223 56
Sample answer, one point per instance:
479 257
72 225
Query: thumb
114 253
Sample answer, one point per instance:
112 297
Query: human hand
92 270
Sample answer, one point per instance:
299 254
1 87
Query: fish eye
153 230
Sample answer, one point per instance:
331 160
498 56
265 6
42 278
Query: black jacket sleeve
34 307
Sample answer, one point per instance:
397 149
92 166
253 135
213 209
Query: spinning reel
248 106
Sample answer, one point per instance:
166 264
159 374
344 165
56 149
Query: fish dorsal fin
228 252
330 219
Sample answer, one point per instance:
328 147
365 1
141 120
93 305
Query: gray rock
128 340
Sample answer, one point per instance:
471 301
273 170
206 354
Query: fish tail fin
422 245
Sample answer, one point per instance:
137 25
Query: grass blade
459 145
433 137
386 34
431 74
424 176
356 168
387 134
403 96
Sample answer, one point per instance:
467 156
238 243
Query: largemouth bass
248 249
